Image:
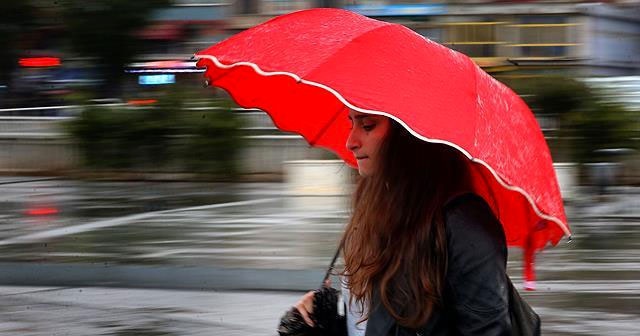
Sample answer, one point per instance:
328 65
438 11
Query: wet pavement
50 311
246 226
232 245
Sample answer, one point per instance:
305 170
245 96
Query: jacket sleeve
476 269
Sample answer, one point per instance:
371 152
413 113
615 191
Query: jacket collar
380 321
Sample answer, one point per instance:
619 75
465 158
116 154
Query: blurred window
545 36
475 39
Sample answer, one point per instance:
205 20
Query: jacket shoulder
469 216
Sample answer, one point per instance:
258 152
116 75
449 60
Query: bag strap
333 262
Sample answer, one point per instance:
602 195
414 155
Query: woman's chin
363 171
363 167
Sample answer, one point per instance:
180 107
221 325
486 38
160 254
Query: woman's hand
305 307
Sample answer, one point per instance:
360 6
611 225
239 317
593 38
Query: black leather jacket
476 295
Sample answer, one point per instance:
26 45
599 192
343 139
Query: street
152 258
118 311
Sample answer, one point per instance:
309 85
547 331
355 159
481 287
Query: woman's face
368 131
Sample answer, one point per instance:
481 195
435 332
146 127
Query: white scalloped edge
259 71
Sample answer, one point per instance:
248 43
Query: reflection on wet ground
263 230
590 286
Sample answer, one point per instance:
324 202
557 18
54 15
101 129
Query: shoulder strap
333 262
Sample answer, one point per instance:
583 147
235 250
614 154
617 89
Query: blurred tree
105 30
16 19
163 137
598 126
556 95
552 95
587 122
214 142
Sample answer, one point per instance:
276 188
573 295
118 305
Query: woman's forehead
353 114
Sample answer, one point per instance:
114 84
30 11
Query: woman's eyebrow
363 116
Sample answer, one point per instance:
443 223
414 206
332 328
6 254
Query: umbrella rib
345 45
324 128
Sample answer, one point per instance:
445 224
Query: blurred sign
164 67
138 102
156 79
398 10
39 62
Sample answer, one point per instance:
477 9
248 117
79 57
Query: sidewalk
139 259
618 202
82 311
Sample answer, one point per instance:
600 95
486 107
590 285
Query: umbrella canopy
307 68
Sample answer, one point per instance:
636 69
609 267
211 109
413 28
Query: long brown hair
395 242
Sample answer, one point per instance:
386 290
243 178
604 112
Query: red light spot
39 62
42 211
142 101
164 64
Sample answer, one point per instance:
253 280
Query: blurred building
520 37
598 43
517 38
50 70
184 28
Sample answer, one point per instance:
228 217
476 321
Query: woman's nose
352 141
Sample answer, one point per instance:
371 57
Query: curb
161 277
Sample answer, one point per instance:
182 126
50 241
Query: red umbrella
307 68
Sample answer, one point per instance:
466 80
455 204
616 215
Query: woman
423 254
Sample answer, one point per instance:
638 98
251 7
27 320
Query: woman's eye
368 127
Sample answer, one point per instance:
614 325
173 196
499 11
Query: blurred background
135 200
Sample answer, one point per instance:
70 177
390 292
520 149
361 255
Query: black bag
325 317
524 321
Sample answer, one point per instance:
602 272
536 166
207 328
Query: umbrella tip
206 83
569 239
